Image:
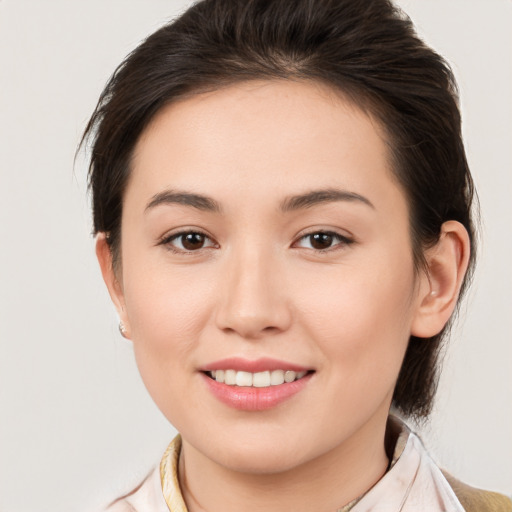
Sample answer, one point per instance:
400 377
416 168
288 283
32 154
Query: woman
282 206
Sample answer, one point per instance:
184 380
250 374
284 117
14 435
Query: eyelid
344 240
166 239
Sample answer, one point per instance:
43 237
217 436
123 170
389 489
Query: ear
440 285
114 286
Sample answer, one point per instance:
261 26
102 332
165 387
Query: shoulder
423 485
145 497
478 500
119 506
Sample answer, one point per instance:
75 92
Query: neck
326 483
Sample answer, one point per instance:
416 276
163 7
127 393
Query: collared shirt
413 483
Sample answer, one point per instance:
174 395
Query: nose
253 300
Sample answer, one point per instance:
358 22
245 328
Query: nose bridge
253 300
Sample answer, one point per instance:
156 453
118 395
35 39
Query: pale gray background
76 424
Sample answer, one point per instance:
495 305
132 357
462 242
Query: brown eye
188 241
321 240
193 241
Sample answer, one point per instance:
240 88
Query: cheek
361 329
167 312
361 315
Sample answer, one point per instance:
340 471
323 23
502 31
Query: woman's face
264 238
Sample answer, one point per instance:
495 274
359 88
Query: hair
365 49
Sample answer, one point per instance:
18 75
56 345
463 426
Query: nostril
270 328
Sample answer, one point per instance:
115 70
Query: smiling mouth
257 380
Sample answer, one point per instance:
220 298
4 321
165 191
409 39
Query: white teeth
289 376
261 380
243 379
277 378
257 380
230 377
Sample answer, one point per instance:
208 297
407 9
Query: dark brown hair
366 49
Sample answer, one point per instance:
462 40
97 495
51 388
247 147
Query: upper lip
254 366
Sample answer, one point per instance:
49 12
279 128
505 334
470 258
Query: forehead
267 137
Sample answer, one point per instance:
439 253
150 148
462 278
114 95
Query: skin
259 288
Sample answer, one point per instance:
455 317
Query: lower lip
255 399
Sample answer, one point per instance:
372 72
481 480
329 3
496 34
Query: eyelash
343 241
167 241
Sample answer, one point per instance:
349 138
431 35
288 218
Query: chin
259 462
263 452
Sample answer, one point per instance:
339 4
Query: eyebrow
316 197
198 201
292 203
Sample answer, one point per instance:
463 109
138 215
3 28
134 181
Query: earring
122 330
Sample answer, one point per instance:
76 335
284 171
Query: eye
323 240
188 241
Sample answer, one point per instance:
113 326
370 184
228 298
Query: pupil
193 241
321 240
